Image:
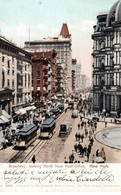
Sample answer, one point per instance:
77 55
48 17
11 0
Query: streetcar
76 98
48 115
71 104
55 112
65 128
48 128
26 135
61 107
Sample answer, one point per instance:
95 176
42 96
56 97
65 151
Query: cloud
20 32
81 37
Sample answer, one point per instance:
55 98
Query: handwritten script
58 175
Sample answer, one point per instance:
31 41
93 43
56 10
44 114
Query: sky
44 18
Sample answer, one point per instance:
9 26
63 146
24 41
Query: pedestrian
79 147
102 154
105 124
82 125
86 132
76 136
85 123
82 152
93 158
78 126
89 137
75 147
85 150
65 161
79 137
89 149
93 130
82 137
97 152
71 158
80 118
88 122
33 159
91 141
88 154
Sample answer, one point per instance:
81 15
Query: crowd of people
86 129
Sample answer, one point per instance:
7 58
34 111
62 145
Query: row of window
108 42
110 102
3 60
110 79
8 83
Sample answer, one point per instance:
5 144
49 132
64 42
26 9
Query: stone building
107 61
77 82
43 77
62 45
15 76
60 77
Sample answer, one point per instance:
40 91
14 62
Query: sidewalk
101 119
112 155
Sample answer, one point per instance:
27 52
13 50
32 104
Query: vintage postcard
60 95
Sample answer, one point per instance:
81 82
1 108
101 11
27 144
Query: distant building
15 76
62 45
60 77
76 68
85 82
107 61
43 77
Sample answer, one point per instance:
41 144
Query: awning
4 69
4 113
33 107
3 119
28 108
30 97
20 111
27 98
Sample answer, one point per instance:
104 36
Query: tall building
62 45
76 67
43 77
60 77
15 76
107 61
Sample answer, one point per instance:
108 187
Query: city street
58 149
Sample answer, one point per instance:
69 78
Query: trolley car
48 128
26 136
71 104
61 107
55 112
76 98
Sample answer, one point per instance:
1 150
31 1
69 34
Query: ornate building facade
107 61
15 76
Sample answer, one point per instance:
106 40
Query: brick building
43 76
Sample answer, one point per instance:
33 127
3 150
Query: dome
114 14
